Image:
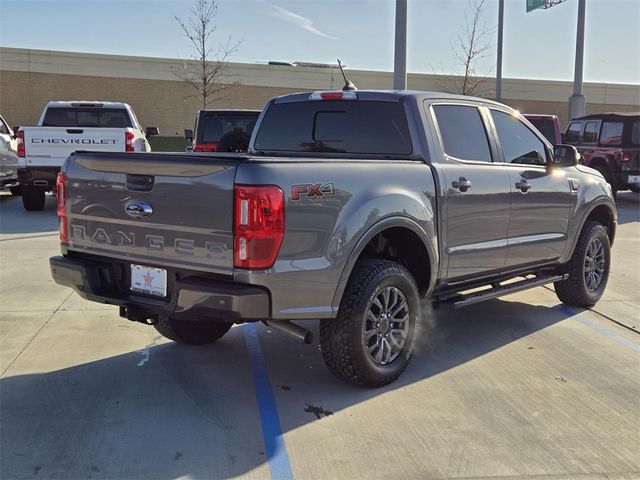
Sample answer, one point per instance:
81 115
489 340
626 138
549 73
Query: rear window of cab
335 126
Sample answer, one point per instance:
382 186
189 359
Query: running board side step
497 290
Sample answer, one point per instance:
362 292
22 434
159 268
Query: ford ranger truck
65 127
349 208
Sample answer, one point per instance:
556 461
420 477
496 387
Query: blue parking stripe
269 419
600 329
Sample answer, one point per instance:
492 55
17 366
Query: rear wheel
191 332
588 268
608 177
16 191
371 341
33 198
635 188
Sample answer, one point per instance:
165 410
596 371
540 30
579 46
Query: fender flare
380 226
583 220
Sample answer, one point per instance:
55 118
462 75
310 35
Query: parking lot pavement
518 387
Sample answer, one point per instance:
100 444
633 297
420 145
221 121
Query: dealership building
31 78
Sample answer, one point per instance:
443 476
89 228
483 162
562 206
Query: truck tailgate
50 146
161 210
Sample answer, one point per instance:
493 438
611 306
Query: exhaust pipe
293 330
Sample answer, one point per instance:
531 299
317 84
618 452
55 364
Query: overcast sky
540 44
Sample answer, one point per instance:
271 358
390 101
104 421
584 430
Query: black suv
222 130
610 143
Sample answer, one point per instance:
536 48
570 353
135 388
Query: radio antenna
348 85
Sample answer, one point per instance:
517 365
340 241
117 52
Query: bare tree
205 71
472 47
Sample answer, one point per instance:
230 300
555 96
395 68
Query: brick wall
168 104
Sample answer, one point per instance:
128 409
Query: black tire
16 191
634 188
608 177
575 290
191 332
33 199
342 340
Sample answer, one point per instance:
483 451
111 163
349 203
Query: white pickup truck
66 127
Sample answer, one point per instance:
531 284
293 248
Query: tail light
61 196
626 156
128 141
205 147
20 137
258 225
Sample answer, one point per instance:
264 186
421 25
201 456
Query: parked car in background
65 127
8 168
222 130
548 125
610 143
7 134
348 208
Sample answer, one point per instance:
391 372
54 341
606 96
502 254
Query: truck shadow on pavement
14 219
168 410
628 206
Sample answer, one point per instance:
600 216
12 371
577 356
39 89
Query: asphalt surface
520 387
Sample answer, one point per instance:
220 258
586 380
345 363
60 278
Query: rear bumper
192 298
43 177
9 181
622 178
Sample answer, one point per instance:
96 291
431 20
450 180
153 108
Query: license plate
634 179
149 280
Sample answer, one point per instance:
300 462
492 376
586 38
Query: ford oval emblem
138 209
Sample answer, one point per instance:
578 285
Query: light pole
577 101
400 56
499 60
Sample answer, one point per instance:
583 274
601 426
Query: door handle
523 186
461 184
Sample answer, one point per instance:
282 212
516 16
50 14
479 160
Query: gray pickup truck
348 208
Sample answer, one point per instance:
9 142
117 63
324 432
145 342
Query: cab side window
4 130
611 133
590 132
519 144
462 131
572 136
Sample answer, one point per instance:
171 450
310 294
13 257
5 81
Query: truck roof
389 95
609 115
76 103
230 110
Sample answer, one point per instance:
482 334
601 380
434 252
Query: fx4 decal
310 190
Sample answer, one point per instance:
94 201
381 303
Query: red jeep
610 143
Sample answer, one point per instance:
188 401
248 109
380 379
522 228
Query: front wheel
191 332
371 341
588 268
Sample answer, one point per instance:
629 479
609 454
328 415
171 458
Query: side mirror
565 156
150 131
188 134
